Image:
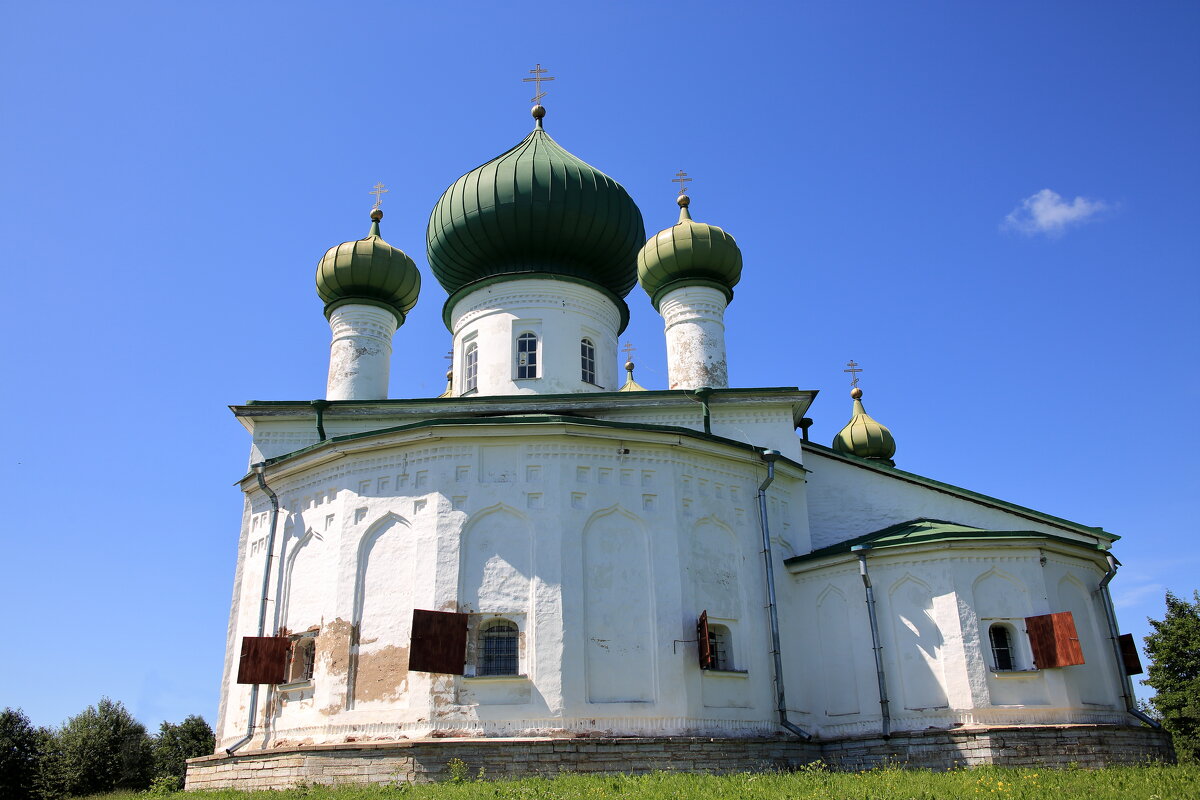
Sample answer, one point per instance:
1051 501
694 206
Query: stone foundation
426 760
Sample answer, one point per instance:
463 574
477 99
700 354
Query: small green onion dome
689 253
368 271
535 209
863 436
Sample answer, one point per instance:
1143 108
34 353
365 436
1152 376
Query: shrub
18 755
175 744
104 748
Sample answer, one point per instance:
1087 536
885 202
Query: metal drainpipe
703 393
262 608
861 552
319 406
770 456
1114 636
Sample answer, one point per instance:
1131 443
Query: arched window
498 649
1000 636
303 658
587 360
527 356
471 369
720 644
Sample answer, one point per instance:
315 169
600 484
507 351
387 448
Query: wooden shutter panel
703 642
264 659
1053 639
439 642
1129 654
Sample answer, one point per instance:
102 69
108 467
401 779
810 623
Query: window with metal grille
718 642
304 656
527 356
1000 636
471 369
498 649
587 357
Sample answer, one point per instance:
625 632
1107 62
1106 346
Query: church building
551 567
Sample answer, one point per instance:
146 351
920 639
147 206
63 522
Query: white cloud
1047 212
1135 595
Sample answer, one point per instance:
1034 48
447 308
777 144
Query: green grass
1152 782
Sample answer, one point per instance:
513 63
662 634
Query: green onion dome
863 436
689 253
368 271
535 209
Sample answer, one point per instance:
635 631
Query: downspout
703 393
319 406
770 456
262 608
861 552
1114 634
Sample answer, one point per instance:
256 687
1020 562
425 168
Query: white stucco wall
559 313
360 352
694 325
598 544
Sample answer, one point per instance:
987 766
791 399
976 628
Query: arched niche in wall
495 561
618 608
715 566
302 596
383 604
999 595
837 651
1092 679
918 644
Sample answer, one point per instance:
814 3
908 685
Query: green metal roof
688 253
368 271
535 209
925 531
958 491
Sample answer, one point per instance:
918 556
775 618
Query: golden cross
854 370
537 79
682 179
628 349
379 192
449 355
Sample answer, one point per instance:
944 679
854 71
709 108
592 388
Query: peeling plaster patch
381 674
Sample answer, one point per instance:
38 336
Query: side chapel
549 551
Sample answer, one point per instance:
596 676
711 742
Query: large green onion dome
534 210
689 253
368 271
863 436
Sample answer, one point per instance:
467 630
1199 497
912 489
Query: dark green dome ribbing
535 209
368 271
689 253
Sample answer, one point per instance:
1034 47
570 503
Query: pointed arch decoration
919 642
495 561
839 668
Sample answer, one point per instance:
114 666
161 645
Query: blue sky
991 207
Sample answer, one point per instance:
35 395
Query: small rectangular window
471 369
587 357
527 356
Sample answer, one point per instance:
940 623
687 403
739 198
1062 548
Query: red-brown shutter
703 642
439 642
1129 654
1053 639
264 659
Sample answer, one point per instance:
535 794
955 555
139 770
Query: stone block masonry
426 760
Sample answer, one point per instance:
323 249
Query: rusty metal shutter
1053 639
264 659
1129 654
439 642
703 642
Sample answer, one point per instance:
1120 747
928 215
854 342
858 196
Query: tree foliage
175 744
18 755
1174 673
104 748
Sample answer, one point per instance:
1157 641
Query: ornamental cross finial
854 370
538 77
628 349
682 179
449 355
379 192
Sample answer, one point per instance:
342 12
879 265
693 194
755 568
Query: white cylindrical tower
694 319
689 270
360 354
368 286
535 336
